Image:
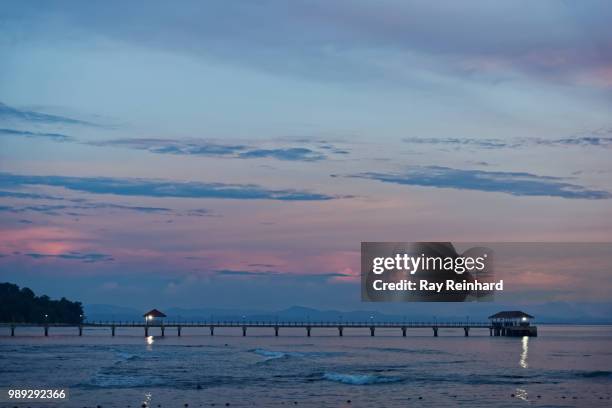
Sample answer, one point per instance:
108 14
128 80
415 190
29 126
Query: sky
155 154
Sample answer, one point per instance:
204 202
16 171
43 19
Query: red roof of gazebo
154 313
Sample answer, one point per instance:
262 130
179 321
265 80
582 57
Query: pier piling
46 331
113 330
372 331
403 332
276 331
178 331
435 330
12 331
244 331
340 331
308 331
466 331
80 331
146 331
212 330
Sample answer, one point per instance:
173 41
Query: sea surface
564 366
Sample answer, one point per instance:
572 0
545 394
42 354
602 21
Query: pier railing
251 323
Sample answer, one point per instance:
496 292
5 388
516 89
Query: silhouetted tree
22 305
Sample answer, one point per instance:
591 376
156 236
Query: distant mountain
110 312
103 312
559 312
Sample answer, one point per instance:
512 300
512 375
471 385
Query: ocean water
564 366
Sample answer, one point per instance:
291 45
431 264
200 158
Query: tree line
23 306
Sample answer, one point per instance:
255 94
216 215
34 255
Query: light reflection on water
147 399
524 352
521 394
150 341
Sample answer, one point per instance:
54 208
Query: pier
506 323
178 328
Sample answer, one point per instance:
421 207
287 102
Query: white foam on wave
102 380
273 355
269 354
123 356
359 379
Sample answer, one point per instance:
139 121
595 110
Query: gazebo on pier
512 323
154 316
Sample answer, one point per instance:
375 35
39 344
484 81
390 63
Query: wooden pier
162 328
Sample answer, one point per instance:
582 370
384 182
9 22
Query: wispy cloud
57 137
277 274
262 265
88 257
470 142
173 146
45 209
200 147
291 154
595 139
228 272
94 207
9 112
199 212
56 209
31 196
160 188
75 204
196 147
515 183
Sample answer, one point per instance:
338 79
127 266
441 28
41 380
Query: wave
500 379
101 380
360 379
409 351
273 355
123 356
270 354
595 374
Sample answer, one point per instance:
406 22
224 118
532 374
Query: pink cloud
43 240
